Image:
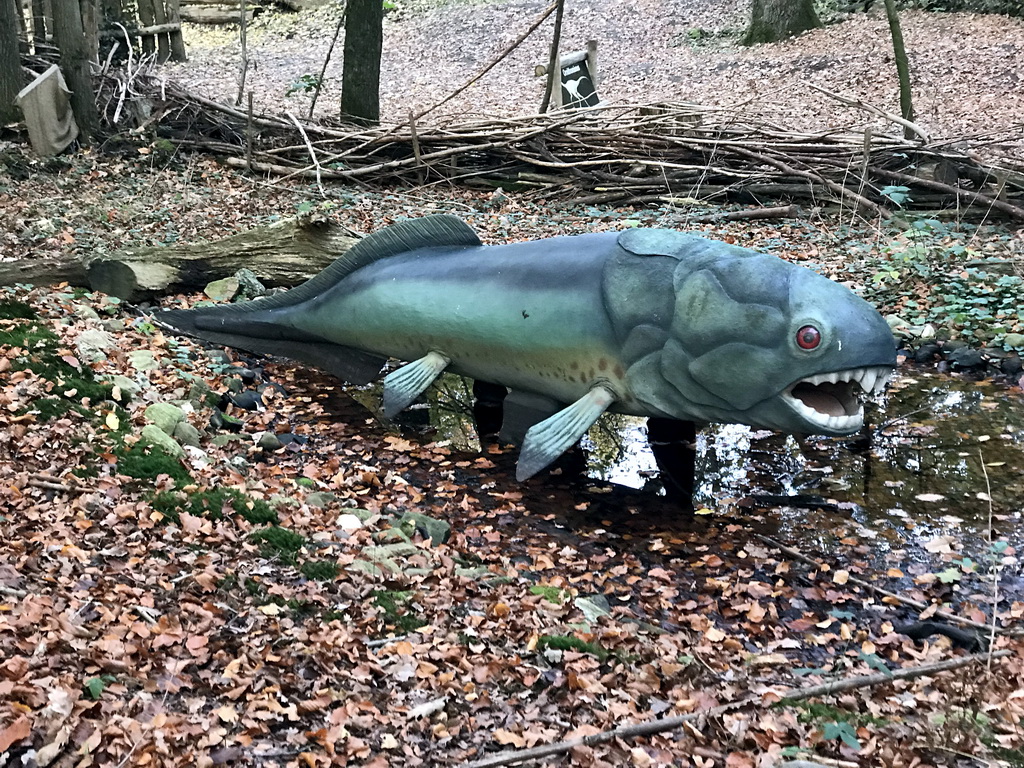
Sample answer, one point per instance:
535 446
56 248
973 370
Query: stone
280 500
221 440
114 325
129 387
926 353
390 551
321 499
1011 365
438 531
153 435
186 434
250 285
1014 340
85 312
198 392
223 290
348 522
966 358
165 416
249 400
93 344
268 441
143 360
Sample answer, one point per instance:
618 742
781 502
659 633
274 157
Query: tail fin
252 325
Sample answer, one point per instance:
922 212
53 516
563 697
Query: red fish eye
808 337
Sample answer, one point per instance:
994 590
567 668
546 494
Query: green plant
571 643
95 686
149 462
213 503
278 542
394 604
307 83
320 570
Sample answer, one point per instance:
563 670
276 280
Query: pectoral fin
403 386
552 437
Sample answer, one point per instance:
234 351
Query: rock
268 441
85 312
249 401
129 387
235 385
1011 365
221 440
1014 340
348 522
248 375
390 551
114 325
390 535
93 344
280 500
198 392
954 344
186 434
321 499
220 420
290 438
165 416
153 435
143 360
218 356
249 284
223 290
437 531
966 358
927 353
472 572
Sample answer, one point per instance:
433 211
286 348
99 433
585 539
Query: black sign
578 86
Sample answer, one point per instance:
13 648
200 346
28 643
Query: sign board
578 86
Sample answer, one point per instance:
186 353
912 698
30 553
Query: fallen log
285 253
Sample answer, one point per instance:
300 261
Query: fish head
757 340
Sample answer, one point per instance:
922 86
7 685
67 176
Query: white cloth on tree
47 110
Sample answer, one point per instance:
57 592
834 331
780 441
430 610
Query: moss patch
16 310
214 504
394 604
320 570
147 463
278 542
571 643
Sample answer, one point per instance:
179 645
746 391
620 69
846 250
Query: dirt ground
965 68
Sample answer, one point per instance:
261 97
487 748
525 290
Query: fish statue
647 322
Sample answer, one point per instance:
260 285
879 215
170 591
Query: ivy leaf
876 662
844 732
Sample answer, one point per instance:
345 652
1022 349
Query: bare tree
360 79
10 60
774 20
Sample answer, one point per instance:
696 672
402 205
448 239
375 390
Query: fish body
647 322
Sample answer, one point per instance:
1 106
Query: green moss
148 462
320 570
212 503
571 643
16 310
278 542
394 605
551 594
50 408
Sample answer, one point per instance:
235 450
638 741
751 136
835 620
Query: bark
147 18
282 254
360 80
69 35
902 66
177 41
10 63
774 20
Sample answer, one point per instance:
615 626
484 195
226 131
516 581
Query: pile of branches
617 154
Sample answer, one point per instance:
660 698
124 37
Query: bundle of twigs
621 154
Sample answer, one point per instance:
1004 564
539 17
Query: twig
797 555
243 64
780 212
327 58
995 567
494 62
312 153
850 101
660 725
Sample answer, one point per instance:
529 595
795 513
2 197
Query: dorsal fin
428 232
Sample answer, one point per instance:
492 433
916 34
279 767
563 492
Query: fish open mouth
833 401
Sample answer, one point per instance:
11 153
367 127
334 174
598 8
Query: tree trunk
774 20
38 23
360 80
74 64
283 254
902 66
177 42
10 61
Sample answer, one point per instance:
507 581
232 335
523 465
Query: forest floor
149 615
